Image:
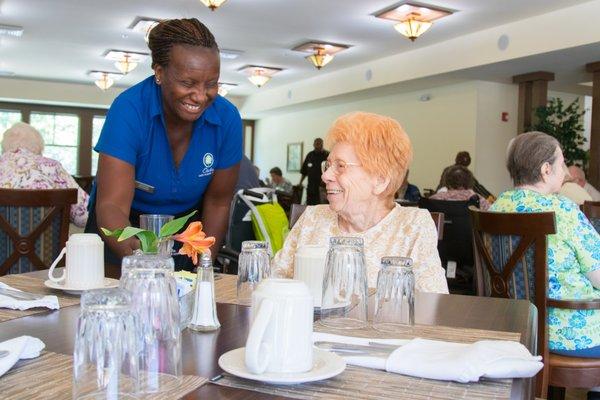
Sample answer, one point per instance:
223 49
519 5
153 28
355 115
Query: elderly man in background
572 190
22 166
579 178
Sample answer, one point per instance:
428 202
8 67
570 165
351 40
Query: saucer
325 365
108 283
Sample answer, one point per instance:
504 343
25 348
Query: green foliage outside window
565 124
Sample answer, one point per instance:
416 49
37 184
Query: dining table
201 351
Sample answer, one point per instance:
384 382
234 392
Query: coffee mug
280 338
309 265
84 268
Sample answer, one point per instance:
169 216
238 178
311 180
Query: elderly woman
535 162
369 157
459 182
22 166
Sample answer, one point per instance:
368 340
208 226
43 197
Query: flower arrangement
193 238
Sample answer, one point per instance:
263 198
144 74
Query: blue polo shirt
134 131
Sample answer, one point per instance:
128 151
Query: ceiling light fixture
144 26
224 88
11 30
213 4
413 19
125 61
259 75
322 52
230 54
104 79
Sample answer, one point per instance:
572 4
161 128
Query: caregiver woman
170 144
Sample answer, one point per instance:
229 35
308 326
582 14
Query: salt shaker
204 317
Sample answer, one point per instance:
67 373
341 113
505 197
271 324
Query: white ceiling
64 39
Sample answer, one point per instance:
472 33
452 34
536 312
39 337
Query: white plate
325 365
108 283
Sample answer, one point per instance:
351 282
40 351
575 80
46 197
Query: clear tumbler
395 298
154 223
254 265
345 293
105 356
150 280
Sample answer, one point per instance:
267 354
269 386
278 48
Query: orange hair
380 143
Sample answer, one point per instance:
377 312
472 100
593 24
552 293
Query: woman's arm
216 204
114 194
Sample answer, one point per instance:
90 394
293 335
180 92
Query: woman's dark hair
169 32
459 177
526 155
276 171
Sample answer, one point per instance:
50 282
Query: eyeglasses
338 167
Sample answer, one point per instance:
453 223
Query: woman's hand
114 194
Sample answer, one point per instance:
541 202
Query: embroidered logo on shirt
208 161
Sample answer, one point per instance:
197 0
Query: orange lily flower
194 241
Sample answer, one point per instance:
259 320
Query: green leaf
148 241
115 233
131 231
172 227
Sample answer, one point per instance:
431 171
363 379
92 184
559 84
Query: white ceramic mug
280 338
84 268
309 265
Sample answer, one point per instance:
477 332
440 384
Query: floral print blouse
22 169
572 252
405 231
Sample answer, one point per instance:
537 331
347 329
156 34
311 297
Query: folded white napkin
458 362
10 302
22 347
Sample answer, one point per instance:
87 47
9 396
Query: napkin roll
22 347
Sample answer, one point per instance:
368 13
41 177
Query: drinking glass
395 298
254 265
105 355
345 294
150 280
154 222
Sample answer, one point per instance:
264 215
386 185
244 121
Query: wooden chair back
34 227
591 209
511 260
438 220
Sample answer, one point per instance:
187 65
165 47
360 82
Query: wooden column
533 93
594 166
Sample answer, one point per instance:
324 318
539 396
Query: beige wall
438 128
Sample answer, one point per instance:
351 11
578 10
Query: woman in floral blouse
535 162
22 166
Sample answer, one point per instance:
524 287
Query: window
61 137
7 119
97 124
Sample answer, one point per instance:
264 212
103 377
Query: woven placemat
226 288
365 383
32 285
50 376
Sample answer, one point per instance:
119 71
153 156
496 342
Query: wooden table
202 350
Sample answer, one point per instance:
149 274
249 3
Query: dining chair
34 227
511 262
297 210
591 209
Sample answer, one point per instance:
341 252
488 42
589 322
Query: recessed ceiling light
11 30
143 25
230 54
258 74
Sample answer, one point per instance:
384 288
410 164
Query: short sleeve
121 133
585 241
230 152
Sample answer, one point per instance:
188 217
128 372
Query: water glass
395 298
105 356
254 265
150 280
154 223
345 293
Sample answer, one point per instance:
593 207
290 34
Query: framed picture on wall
294 157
